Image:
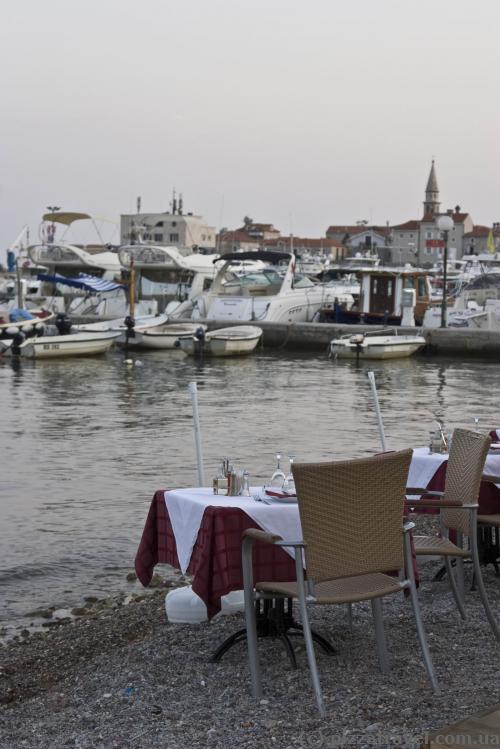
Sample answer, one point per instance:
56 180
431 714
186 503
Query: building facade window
158 237
174 237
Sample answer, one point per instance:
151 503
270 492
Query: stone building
183 230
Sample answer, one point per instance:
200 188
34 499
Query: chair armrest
255 534
295 544
438 504
431 492
490 479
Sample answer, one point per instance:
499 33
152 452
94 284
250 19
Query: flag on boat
82 281
490 243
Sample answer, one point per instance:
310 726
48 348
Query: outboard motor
63 324
15 346
199 334
130 325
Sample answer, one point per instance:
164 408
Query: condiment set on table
231 482
236 483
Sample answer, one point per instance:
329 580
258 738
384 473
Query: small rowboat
52 346
233 341
376 346
164 336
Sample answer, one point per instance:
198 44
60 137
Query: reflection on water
85 443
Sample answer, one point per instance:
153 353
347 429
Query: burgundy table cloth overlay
215 564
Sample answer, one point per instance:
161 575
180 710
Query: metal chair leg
307 635
459 566
480 585
454 587
383 656
250 618
349 617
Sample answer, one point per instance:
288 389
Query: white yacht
477 306
277 293
168 277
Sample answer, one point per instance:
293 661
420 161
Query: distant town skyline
298 114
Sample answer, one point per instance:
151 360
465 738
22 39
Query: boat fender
200 333
177 343
357 339
11 331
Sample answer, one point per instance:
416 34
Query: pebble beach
120 675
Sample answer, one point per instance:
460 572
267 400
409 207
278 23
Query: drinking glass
278 476
289 483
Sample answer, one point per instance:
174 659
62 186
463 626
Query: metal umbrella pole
371 377
193 389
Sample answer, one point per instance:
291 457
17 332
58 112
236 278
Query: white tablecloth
425 464
185 509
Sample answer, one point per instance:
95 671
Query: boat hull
399 348
236 341
164 336
78 344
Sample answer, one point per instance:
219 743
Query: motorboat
277 293
168 277
377 344
81 279
18 320
162 336
234 341
120 323
55 346
476 307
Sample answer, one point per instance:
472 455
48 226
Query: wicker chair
352 523
458 512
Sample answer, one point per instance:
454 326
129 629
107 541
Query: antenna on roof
138 204
180 204
174 203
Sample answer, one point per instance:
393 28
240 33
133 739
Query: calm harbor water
85 444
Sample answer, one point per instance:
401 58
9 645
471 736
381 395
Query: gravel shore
125 677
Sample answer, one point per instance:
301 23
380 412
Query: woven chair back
351 514
463 475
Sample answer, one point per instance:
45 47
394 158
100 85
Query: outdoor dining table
201 533
428 471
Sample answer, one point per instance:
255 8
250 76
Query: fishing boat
52 346
387 296
233 341
377 344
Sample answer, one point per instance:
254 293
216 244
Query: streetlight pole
445 225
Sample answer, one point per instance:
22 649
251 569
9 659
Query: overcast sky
299 113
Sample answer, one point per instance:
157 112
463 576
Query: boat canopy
82 281
268 256
65 217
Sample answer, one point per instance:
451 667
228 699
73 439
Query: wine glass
278 476
289 483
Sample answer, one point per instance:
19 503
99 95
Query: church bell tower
431 202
